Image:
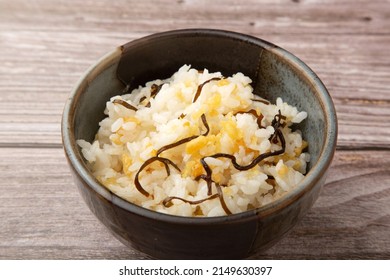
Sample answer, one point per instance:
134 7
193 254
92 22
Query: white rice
127 138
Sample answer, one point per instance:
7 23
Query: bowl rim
311 178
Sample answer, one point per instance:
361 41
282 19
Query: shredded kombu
199 90
124 104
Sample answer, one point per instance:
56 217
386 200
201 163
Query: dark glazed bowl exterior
274 72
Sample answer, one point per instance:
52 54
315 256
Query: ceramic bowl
274 72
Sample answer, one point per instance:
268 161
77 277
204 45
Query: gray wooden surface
45 46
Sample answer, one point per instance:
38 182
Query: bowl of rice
198 143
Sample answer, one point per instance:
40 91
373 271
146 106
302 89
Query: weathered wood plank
44 217
42 214
283 16
33 88
351 218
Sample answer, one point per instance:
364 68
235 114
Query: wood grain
45 46
282 16
34 90
47 219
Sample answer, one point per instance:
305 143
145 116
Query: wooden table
45 46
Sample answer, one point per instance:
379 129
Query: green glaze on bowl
274 72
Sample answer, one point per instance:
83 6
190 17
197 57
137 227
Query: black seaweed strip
153 92
124 104
167 201
185 140
165 161
259 118
199 90
261 100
